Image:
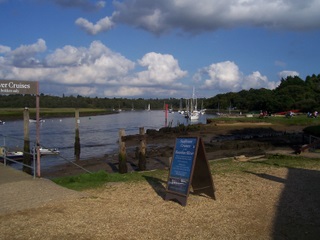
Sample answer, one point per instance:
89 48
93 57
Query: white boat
194 113
35 120
15 155
149 107
48 151
1 122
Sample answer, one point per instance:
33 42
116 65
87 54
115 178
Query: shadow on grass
298 211
157 184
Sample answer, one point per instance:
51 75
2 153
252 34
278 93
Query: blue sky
157 49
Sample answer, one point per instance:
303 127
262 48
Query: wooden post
142 151
26 144
77 147
38 132
166 116
123 168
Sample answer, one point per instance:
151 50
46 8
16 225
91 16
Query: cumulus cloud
208 15
226 77
4 49
68 65
82 91
25 55
102 25
285 74
162 69
84 5
94 70
124 91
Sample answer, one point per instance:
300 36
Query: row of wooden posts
77 149
123 153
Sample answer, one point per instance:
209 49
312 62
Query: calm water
98 134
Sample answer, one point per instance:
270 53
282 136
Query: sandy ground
267 203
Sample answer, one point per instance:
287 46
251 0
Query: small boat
48 151
35 120
14 155
2 123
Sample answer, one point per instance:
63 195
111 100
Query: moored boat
35 120
49 151
14 155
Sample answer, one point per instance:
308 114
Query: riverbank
222 140
10 114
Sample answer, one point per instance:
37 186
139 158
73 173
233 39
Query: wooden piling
27 158
77 146
142 151
123 168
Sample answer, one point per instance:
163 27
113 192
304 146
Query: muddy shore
221 141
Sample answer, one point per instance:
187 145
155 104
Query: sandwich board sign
189 168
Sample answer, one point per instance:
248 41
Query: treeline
292 93
47 101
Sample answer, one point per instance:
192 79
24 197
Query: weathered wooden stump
27 158
123 168
142 151
77 146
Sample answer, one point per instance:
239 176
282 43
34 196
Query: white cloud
94 70
223 75
285 74
256 81
207 15
162 69
226 77
4 49
82 91
124 91
102 25
68 65
25 55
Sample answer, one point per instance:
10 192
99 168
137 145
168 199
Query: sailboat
194 113
149 108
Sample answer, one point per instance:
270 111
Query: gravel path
269 203
20 191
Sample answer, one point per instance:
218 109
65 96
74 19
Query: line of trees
292 93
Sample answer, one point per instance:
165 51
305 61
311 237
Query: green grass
98 179
17 113
222 167
301 120
274 161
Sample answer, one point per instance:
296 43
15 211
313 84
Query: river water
98 134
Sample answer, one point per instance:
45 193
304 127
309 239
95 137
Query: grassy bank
301 120
94 180
17 113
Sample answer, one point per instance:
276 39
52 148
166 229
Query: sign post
25 87
189 168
